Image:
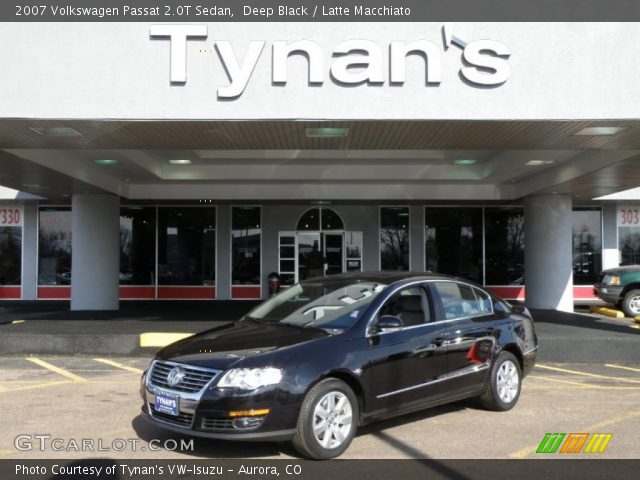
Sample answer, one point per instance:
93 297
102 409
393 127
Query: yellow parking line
106 361
584 385
58 370
40 385
611 365
593 375
2 389
161 339
15 322
6 452
525 452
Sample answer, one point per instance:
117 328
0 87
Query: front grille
194 379
217 424
182 420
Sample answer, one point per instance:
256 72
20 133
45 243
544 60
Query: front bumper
608 293
207 413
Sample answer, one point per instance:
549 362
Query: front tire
328 420
631 303
505 384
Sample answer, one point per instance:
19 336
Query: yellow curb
609 312
17 321
161 339
637 319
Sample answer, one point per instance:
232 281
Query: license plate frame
167 403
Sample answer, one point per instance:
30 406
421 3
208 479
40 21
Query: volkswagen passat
330 354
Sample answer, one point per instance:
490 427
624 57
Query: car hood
619 270
223 346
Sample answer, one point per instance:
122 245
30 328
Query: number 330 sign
10 216
628 216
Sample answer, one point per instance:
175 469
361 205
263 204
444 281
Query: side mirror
389 323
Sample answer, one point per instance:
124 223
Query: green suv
621 286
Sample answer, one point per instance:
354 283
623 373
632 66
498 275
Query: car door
470 334
403 363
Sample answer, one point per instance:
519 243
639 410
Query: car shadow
584 320
210 448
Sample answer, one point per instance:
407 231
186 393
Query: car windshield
318 304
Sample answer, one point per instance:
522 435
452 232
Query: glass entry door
310 258
333 253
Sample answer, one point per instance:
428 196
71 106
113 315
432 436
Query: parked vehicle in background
621 287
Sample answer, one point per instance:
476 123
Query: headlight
611 280
250 378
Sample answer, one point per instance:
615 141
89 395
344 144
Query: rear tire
328 420
505 383
631 303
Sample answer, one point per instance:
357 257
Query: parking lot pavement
76 398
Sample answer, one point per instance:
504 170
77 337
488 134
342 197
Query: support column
548 269
95 247
30 253
610 250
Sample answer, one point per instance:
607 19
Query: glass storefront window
504 246
310 220
587 245
54 246
394 238
137 245
245 245
186 246
10 255
453 242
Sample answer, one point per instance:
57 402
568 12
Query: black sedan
329 354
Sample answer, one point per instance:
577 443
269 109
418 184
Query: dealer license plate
166 403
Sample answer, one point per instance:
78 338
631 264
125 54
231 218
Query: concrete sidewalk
49 328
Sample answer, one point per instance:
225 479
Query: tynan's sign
354 62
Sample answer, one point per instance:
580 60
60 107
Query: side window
411 305
457 300
484 301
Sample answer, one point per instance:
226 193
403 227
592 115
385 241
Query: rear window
459 300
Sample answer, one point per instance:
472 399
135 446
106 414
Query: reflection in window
137 245
394 238
245 250
310 220
320 218
504 245
587 245
186 246
54 246
10 255
629 244
454 242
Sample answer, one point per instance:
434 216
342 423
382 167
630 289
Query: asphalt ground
75 398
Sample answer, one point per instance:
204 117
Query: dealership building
143 161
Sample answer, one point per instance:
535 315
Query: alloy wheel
507 381
332 419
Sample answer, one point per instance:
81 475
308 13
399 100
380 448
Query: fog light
246 423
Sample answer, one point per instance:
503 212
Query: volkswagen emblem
175 376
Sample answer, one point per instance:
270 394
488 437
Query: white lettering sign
354 62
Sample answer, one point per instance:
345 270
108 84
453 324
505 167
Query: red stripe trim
245 293
10 293
137 292
583 292
54 293
515 292
187 293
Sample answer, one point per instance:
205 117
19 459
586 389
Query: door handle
435 345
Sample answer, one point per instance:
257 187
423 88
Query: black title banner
295 469
319 10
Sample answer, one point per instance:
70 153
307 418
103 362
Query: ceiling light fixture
464 161
538 163
180 162
327 132
600 130
56 131
106 161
